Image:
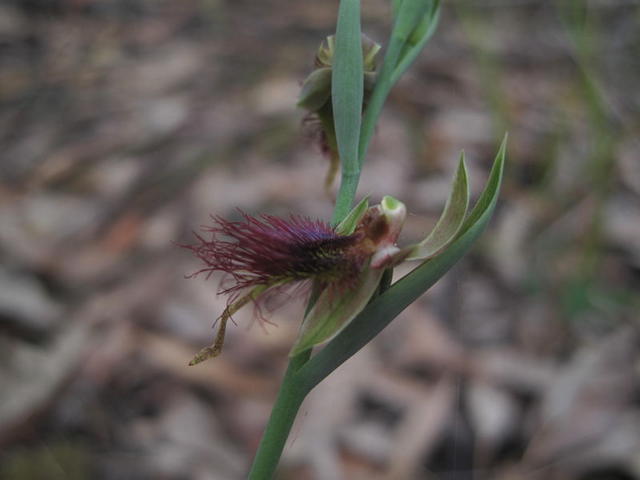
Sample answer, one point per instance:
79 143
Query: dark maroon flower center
269 250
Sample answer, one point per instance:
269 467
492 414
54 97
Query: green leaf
347 84
347 92
417 40
451 219
333 311
410 16
384 308
350 222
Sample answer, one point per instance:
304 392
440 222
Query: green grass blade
381 310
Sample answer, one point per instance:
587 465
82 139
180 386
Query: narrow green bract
450 221
347 83
489 195
415 22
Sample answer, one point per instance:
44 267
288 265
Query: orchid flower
345 263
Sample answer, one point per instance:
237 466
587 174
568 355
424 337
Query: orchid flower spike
345 263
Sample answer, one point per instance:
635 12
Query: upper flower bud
324 56
315 96
316 89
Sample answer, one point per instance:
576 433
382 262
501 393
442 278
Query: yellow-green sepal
316 90
451 220
333 311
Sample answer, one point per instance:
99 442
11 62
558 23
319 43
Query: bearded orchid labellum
346 263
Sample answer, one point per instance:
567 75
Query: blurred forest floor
125 123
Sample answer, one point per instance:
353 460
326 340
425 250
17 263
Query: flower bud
315 96
316 89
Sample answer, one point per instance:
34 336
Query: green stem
346 194
292 393
293 389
